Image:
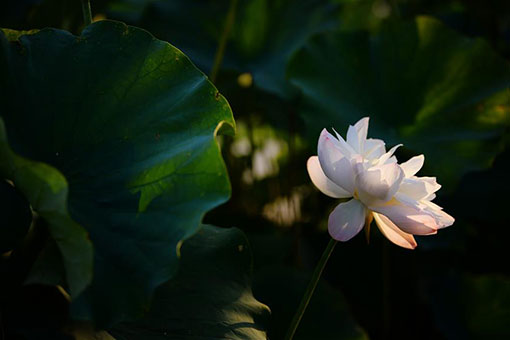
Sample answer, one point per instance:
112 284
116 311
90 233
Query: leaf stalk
220 52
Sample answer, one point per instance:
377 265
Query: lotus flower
379 188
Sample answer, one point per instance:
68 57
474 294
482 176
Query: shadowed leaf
210 297
118 128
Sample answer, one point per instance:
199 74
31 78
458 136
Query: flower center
355 194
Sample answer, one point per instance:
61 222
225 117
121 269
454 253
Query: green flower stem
229 22
87 13
310 289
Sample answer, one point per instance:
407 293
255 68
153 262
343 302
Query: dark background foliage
455 285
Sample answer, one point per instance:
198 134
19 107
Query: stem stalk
310 289
229 22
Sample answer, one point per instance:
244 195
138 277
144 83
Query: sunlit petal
322 182
378 182
357 135
347 220
353 139
443 219
386 157
393 233
418 188
412 166
411 219
414 189
336 166
432 187
362 128
346 149
374 148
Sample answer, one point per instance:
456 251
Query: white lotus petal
411 219
432 187
323 183
346 220
414 188
362 128
357 135
394 176
346 149
413 165
353 139
432 205
393 233
384 158
336 166
391 160
418 188
374 148
378 183
443 220
369 186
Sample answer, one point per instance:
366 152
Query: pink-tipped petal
411 219
323 183
393 233
413 165
336 166
346 220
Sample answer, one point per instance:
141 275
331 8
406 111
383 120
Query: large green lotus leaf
130 124
210 297
262 38
326 317
421 83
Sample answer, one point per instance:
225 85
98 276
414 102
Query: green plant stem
310 289
220 52
87 13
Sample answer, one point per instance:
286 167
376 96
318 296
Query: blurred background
433 75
